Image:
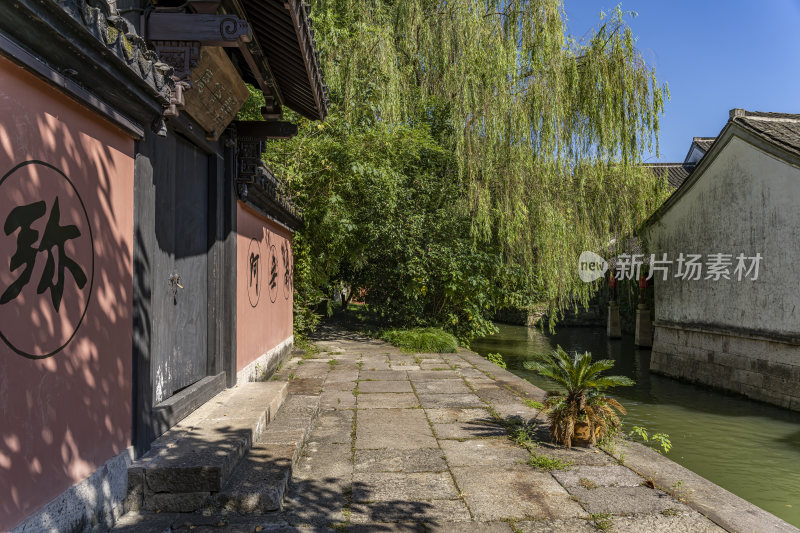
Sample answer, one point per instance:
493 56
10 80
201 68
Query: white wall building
742 197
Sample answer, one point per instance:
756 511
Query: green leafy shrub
661 441
430 340
497 359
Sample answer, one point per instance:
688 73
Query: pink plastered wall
66 253
264 285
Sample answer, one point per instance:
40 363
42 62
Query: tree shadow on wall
65 415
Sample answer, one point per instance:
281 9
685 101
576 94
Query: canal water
749 448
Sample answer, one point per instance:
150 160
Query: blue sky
714 54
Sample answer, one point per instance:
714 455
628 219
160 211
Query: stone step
198 523
195 459
259 483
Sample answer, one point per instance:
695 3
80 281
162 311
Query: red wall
263 311
66 413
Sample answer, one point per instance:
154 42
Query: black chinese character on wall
288 274
57 262
254 270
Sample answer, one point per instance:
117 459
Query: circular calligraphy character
46 283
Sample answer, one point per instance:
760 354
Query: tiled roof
284 30
675 173
119 36
93 55
781 129
704 143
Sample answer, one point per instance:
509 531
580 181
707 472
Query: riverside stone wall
596 315
758 367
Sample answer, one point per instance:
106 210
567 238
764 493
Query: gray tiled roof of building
124 44
675 173
284 30
704 143
781 129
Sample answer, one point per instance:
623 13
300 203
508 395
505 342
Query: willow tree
546 132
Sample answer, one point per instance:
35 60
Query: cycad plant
582 400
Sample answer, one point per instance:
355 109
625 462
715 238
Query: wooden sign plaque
217 91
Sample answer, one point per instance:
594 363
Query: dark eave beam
266 129
303 37
75 47
257 61
270 90
210 30
76 91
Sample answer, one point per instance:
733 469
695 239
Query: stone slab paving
420 445
418 442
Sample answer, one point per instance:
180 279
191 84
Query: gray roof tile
781 129
675 173
127 47
704 143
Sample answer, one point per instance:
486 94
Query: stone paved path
411 442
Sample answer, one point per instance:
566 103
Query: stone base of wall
591 317
518 317
753 365
93 504
266 365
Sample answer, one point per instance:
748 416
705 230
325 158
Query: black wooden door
180 343
184 277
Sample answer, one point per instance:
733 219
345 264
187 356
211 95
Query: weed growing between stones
261 373
676 491
542 462
305 345
661 441
522 434
533 404
513 526
602 521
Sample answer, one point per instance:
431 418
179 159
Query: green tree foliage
381 210
473 150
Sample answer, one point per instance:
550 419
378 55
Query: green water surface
749 448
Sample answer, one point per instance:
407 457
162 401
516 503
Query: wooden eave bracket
173 31
209 30
255 183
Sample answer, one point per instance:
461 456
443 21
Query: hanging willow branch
547 132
